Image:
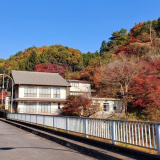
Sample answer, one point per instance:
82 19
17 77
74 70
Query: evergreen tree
32 61
120 37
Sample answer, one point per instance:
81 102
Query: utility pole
5 75
2 89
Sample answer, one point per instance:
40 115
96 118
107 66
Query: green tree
87 57
2 60
2 69
120 37
42 58
117 39
22 65
32 61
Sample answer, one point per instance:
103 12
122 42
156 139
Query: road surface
17 144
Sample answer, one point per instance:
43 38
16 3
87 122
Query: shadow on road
10 148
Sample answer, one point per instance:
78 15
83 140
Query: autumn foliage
5 94
78 106
50 68
127 66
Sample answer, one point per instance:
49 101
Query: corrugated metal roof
38 78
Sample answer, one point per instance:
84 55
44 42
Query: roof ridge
33 72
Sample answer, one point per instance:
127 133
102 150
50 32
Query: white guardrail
143 134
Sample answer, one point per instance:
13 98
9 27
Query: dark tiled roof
78 81
38 78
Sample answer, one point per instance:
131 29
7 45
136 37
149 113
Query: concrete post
158 138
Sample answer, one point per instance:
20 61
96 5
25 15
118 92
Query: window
44 92
45 107
59 106
30 107
14 93
56 92
30 92
74 93
115 108
106 107
75 84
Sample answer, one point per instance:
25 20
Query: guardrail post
158 138
43 121
53 123
30 118
25 117
67 124
86 127
113 132
36 120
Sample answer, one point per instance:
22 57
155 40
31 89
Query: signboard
6 103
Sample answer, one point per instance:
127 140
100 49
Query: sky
80 24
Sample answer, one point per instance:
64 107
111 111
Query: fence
143 134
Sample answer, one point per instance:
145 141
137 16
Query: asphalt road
17 144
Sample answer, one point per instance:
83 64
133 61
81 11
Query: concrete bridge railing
137 133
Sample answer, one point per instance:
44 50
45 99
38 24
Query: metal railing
143 134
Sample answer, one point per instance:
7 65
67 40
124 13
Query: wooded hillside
127 66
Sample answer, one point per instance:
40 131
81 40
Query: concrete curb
99 150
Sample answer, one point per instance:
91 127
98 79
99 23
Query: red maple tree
51 68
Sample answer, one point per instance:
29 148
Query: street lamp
12 89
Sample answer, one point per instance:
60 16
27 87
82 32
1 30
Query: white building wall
54 108
37 92
21 107
21 92
81 87
63 91
112 103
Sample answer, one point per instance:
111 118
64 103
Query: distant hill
142 39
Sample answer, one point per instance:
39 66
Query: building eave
39 100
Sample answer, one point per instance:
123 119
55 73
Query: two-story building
39 92
46 93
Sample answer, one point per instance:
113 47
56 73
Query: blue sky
80 24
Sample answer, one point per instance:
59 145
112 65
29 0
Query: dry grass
110 142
